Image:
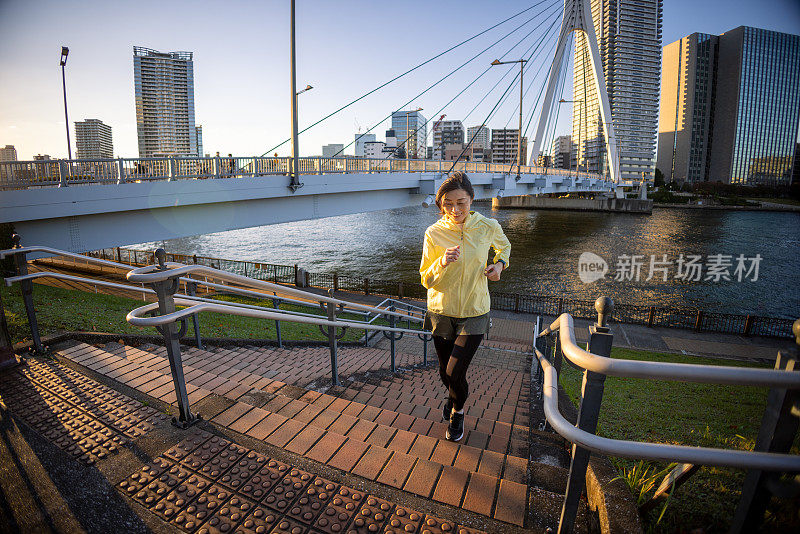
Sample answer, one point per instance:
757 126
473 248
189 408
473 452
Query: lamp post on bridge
64 54
294 174
519 132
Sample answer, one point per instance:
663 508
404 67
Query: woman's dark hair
457 180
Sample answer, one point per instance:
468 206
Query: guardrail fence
63 173
549 305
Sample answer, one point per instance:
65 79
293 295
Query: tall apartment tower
93 140
504 147
563 152
730 107
481 135
418 129
447 133
8 153
629 38
164 87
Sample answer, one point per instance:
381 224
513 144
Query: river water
546 248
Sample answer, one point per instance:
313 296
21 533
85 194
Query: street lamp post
64 54
294 183
519 132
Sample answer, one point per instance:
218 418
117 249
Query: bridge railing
62 173
775 438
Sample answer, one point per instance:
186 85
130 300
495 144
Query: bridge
79 205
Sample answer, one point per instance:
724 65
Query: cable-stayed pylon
578 17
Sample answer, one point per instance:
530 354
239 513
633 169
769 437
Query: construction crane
433 130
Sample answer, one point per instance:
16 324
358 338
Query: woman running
455 272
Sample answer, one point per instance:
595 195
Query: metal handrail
149 274
665 371
244 292
654 451
135 317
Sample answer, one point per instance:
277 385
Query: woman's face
456 205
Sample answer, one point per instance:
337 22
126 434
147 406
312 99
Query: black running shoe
448 407
455 431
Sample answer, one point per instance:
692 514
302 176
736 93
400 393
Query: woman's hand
493 271
450 255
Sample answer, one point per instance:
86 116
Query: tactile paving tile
260 521
202 508
187 445
198 457
264 480
372 516
228 516
313 501
403 520
467 530
242 470
180 497
340 510
434 525
287 491
289 526
219 464
160 486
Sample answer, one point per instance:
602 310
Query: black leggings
454 358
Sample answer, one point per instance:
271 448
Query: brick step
483 482
327 410
411 394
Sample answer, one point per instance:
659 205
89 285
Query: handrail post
165 291
277 304
26 288
600 341
191 290
332 342
63 173
391 341
120 171
778 429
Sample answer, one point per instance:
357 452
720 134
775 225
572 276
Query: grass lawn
63 309
687 414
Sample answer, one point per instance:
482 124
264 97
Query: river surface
546 247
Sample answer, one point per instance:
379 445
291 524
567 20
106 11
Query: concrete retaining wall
622 205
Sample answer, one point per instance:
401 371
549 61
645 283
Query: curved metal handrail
654 451
149 274
136 318
687 372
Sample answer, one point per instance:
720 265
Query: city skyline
240 86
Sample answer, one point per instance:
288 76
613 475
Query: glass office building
164 92
413 138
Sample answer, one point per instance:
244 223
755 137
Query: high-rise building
730 107
481 135
504 147
164 88
360 141
93 140
8 153
414 143
334 150
198 132
564 153
446 133
629 40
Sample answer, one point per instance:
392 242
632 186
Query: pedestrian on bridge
454 270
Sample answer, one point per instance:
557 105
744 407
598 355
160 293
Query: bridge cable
439 81
536 44
405 73
483 124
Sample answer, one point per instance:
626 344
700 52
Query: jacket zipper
461 285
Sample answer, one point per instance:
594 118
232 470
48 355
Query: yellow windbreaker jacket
461 289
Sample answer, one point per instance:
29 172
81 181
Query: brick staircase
382 427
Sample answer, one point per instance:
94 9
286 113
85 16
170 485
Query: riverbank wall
770 207
617 205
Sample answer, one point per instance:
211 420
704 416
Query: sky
344 49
